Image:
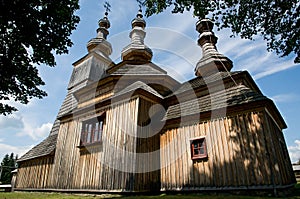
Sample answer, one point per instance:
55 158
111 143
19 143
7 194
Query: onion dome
104 22
137 50
212 61
138 21
99 44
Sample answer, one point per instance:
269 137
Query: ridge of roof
138 85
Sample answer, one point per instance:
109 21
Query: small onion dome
212 61
204 25
104 22
99 44
138 21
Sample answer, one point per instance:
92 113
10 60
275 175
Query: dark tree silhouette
42 27
7 165
277 21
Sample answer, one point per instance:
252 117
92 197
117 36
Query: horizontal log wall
238 155
35 173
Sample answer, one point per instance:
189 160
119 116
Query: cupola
99 44
137 50
212 61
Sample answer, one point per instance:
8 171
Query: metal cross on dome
107 7
140 3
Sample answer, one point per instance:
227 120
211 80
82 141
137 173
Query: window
92 130
198 148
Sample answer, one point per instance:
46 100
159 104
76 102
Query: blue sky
172 37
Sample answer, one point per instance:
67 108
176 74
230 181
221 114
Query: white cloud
19 150
11 122
252 55
36 132
278 68
24 126
290 97
294 151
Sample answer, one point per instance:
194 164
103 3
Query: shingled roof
237 95
46 147
55 127
200 81
138 85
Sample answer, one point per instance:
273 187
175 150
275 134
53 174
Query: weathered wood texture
243 151
99 167
147 176
35 173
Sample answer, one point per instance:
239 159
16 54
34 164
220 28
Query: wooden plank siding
35 173
241 154
244 150
279 155
147 175
100 167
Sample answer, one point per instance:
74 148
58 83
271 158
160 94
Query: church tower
86 70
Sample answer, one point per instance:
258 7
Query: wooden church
130 127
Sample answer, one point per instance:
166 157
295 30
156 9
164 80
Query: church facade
130 127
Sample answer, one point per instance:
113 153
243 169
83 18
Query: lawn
35 195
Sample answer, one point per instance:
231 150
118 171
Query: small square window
198 148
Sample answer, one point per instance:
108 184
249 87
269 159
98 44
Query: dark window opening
92 130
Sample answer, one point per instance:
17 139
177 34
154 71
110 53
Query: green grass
27 195
36 195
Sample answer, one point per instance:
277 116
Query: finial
140 13
104 22
140 4
107 7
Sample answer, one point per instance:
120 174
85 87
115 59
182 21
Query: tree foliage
277 21
31 32
8 164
